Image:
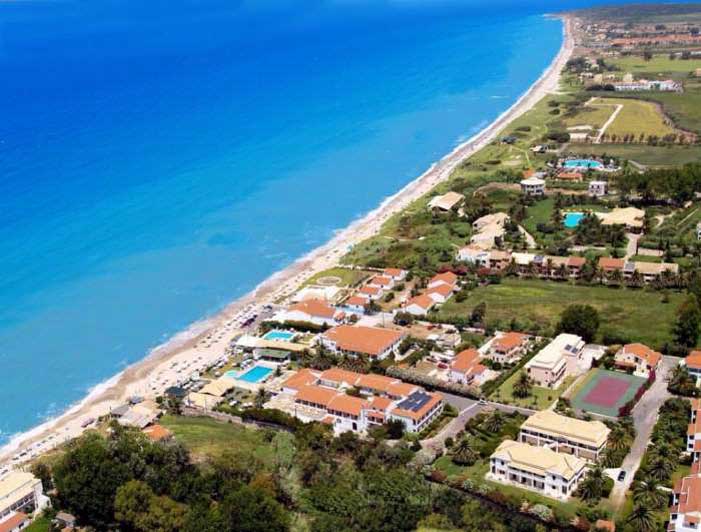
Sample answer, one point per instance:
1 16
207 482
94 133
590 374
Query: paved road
644 416
632 247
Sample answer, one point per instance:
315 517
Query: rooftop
314 307
539 460
588 432
552 354
371 341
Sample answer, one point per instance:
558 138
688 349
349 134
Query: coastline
205 340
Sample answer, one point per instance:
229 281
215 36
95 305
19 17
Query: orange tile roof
602 524
357 301
644 352
371 381
347 404
465 361
339 376
401 389
381 280
370 290
509 341
689 493
13 522
444 290
576 262
423 301
446 277
418 414
609 263
316 395
574 176
371 341
157 432
393 272
528 173
303 377
314 307
693 360
380 403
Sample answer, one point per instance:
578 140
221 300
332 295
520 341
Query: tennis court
604 391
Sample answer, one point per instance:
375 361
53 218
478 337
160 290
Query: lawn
636 117
604 391
539 399
594 115
658 64
625 312
345 276
205 436
41 524
683 108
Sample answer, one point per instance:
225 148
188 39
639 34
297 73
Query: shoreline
204 341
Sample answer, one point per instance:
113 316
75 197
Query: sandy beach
205 342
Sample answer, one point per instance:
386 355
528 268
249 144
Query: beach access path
206 341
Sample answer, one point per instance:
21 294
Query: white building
538 469
473 255
310 311
533 186
598 188
21 492
555 361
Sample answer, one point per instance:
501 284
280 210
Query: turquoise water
583 163
160 159
254 375
284 336
572 219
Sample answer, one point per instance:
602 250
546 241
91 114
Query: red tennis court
607 391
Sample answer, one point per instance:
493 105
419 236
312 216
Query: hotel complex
556 360
21 492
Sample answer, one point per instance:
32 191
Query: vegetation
582 320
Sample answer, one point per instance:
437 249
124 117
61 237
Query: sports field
604 391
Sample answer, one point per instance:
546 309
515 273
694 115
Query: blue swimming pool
587 164
279 336
254 375
572 219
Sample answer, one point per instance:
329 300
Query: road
632 247
644 417
603 129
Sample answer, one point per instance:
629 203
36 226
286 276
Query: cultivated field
637 117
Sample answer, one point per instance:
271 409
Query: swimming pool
586 164
572 219
254 375
279 336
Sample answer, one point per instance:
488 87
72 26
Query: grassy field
539 399
623 311
671 155
685 108
591 115
636 117
660 63
346 276
41 524
204 436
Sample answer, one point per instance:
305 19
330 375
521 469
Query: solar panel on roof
415 401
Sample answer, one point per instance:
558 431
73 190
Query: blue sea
159 159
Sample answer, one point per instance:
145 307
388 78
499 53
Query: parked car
621 476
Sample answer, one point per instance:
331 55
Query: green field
41 524
670 155
660 63
636 117
685 108
591 115
539 399
345 276
205 436
623 311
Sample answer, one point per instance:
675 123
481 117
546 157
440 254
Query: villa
419 305
693 365
370 292
505 347
446 203
382 282
639 358
313 311
321 396
374 342
583 439
538 469
555 361
473 254
441 293
533 186
445 278
598 189
685 511
21 492
693 431
465 368
356 304
395 274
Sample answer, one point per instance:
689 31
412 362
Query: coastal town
512 344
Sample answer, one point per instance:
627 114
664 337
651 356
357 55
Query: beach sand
206 341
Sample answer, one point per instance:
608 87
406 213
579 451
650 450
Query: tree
463 453
592 487
686 329
647 493
494 422
522 386
582 320
642 518
395 429
252 510
139 509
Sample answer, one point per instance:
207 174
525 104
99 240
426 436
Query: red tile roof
381 280
316 395
509 341
446 277
303 377
466 361
693 360
609 263
347 404
443 289
370 341
689 492
422 301
157 432
421 412
314 307
643 352
13 522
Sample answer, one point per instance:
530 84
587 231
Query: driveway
644 417
632 247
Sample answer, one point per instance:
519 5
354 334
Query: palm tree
647 493
592 486
260 398
660 468
642 518
463 453
618 438
522 386
494 422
